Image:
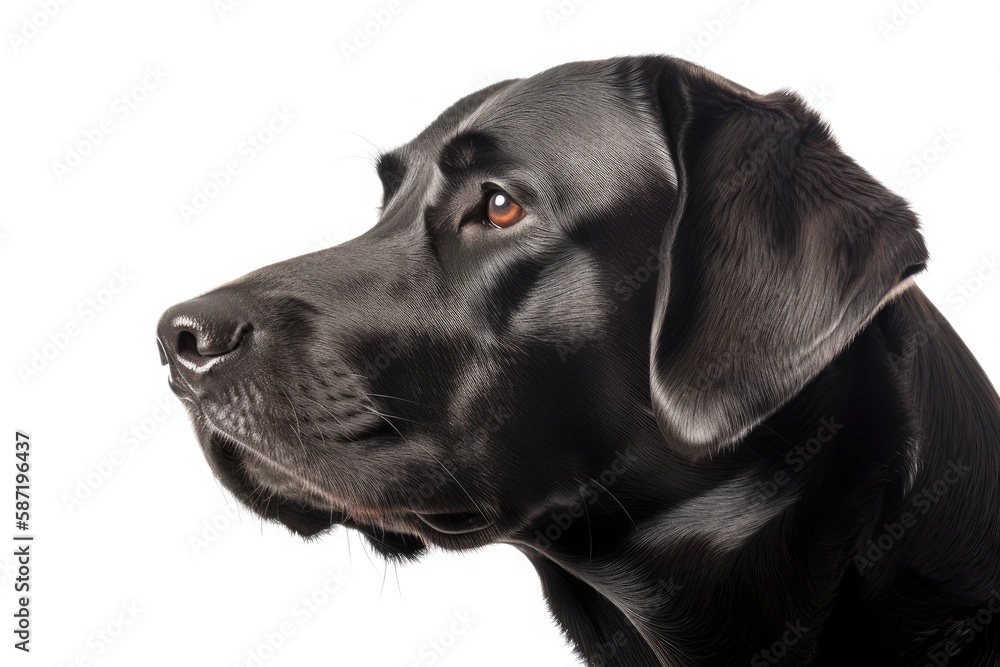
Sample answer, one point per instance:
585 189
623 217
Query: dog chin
393 533
301 518
391 545
310 523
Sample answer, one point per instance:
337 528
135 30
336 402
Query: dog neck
719 561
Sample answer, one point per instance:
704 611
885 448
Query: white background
887 90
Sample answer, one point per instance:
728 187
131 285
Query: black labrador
659 333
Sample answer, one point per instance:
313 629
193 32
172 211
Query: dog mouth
308 510
455 523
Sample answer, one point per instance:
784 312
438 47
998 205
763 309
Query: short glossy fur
694 386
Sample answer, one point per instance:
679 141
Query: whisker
397 398
445 468
385 419
327 411
385 571
399 589
367 158
368 555
378 151
296 416
615 498
374 411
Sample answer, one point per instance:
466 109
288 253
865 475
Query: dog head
604 264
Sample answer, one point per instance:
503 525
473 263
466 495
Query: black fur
694 386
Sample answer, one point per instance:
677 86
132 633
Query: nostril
206 343
187 345
198 334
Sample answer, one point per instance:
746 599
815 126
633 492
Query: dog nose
195 335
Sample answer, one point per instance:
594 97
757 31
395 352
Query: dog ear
779 251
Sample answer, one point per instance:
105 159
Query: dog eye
503 211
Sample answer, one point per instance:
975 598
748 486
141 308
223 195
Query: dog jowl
469 371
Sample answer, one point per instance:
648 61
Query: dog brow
390 164
465 151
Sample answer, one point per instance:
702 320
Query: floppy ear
780 249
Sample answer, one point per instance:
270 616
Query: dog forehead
558 116
585 91
580 134
567 111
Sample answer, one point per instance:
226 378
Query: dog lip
181 390
455 523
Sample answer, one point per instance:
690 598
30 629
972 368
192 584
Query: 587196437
22 541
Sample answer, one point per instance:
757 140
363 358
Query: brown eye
503 211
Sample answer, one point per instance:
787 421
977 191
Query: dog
657 332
